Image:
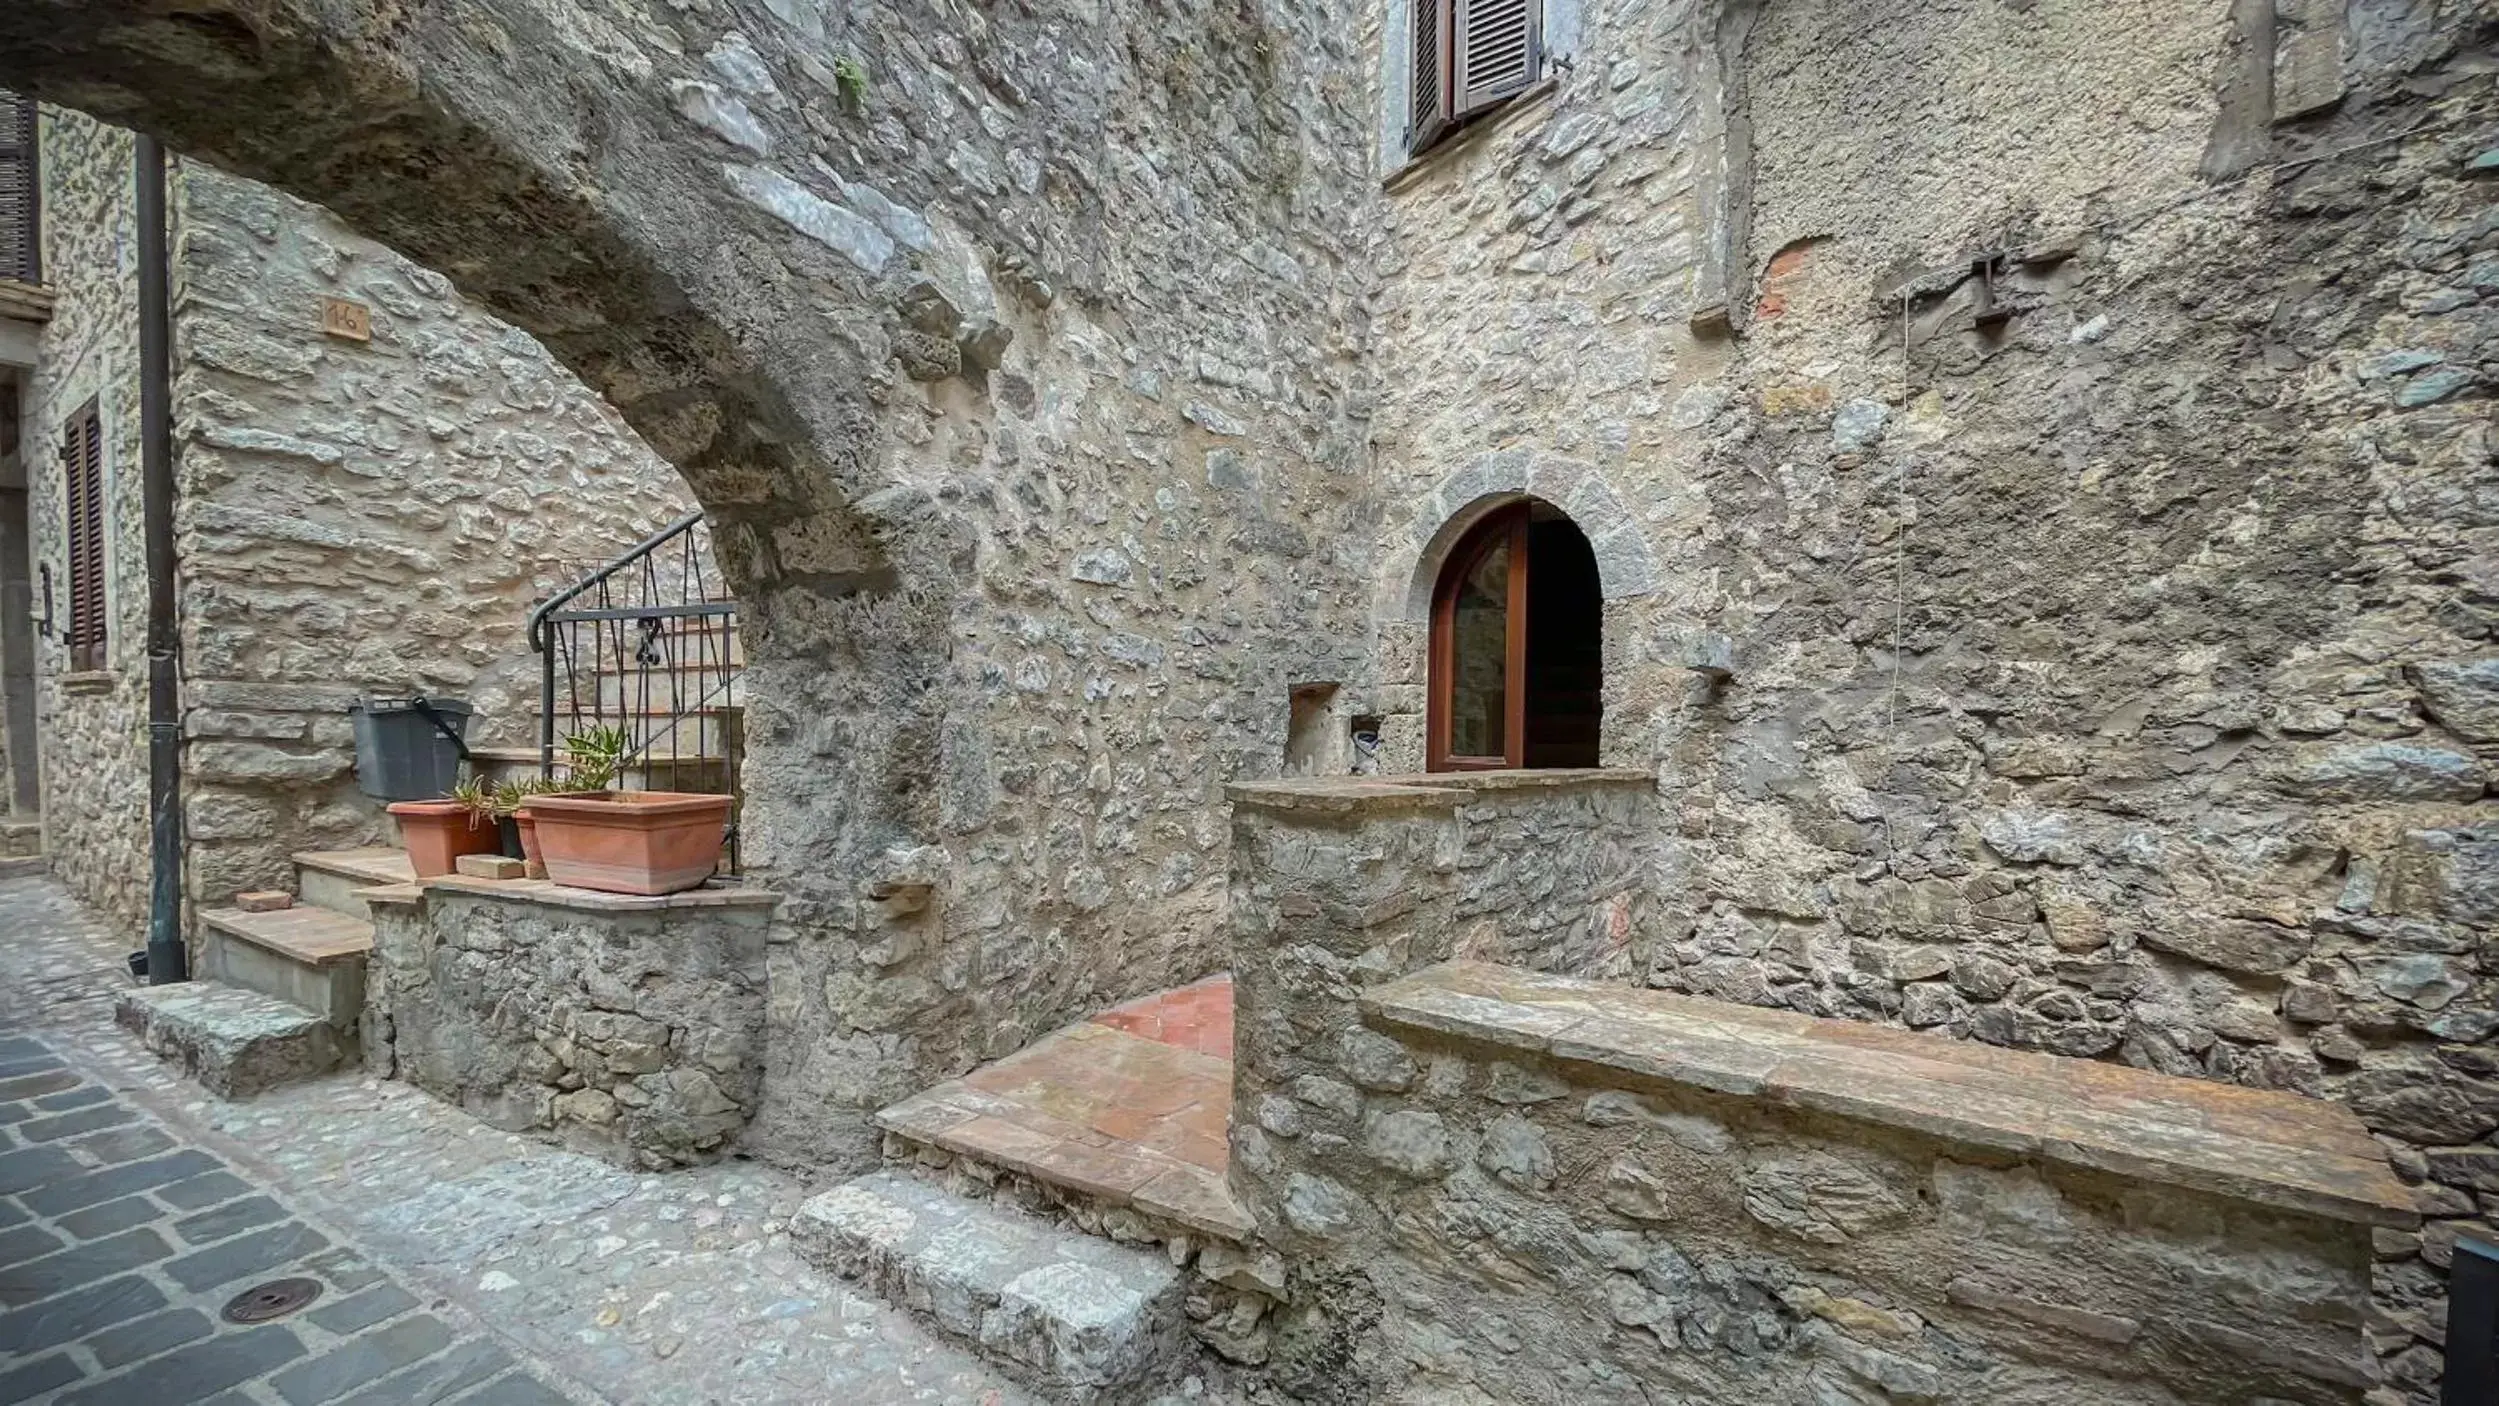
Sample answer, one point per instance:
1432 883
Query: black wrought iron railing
648 644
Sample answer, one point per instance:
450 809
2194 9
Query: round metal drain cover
275 1299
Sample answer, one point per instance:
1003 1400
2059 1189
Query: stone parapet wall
628 1027
1537 1189
1340 884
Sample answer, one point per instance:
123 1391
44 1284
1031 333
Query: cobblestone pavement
458 1263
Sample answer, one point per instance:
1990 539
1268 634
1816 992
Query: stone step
233 1042
1081 1319
330 878
308 956
21 837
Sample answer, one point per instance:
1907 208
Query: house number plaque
341 318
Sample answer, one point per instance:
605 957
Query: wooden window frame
1450 110
82 534
1504 526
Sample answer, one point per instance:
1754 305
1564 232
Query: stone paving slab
2270 1148
461 1265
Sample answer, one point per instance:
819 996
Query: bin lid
409 705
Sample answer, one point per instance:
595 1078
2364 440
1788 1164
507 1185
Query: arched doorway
1517 650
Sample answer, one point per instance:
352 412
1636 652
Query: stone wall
354 517
361 518
91 727
1340 884
628 1027
2112 677
1551 1191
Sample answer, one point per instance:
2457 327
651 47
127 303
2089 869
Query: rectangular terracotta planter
437 833
631 841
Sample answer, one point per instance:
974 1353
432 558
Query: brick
363 1310
80 1265
490 866
85 1095
361 1360
74 1316
96 1222
204 1191
146 1337
37 1377
85 1120
250 1256
515 1390
96 1188
27 1242
30 1167
11 1068
123 1144
264 901
186 1374
437 1378
20 1046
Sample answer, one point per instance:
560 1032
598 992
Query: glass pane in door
1479 658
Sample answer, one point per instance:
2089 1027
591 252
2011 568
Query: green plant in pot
648 842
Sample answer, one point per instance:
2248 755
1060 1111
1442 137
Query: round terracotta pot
647 842
437 833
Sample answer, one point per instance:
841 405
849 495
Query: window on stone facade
82 524
21 247
1517 661
1470 56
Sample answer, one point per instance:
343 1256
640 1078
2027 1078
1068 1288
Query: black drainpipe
166 960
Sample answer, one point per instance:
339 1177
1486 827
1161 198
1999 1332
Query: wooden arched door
1516 651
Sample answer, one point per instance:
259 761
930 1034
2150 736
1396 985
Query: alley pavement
354 1241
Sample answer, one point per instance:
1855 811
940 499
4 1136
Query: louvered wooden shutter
21 247
1429 113
1497 56
82 475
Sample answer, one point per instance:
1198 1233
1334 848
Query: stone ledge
1439 790
546 894
2272 1149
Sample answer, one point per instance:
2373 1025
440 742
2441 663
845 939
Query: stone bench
1550 1188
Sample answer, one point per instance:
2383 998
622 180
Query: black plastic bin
409 749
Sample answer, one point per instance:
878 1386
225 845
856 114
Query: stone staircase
1064 1209
21 845
276 994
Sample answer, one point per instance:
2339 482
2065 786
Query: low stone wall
1534 1189
632 1028
1339 883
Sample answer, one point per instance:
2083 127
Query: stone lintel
2267 1148
1440 790
545 894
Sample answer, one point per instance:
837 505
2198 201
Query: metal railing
649 643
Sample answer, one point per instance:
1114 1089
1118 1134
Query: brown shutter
1496 52
82 476
1429 114
21 247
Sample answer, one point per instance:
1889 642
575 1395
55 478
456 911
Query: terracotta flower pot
533 863
437 833
631 841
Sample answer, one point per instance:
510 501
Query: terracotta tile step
313 937
374 864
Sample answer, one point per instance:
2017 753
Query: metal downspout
166 959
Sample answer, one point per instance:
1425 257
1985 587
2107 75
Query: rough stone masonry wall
2118 683
631 1028
1016 354
1339 885
1475 1222
360 518
91 728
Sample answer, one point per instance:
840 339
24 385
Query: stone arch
1626 568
